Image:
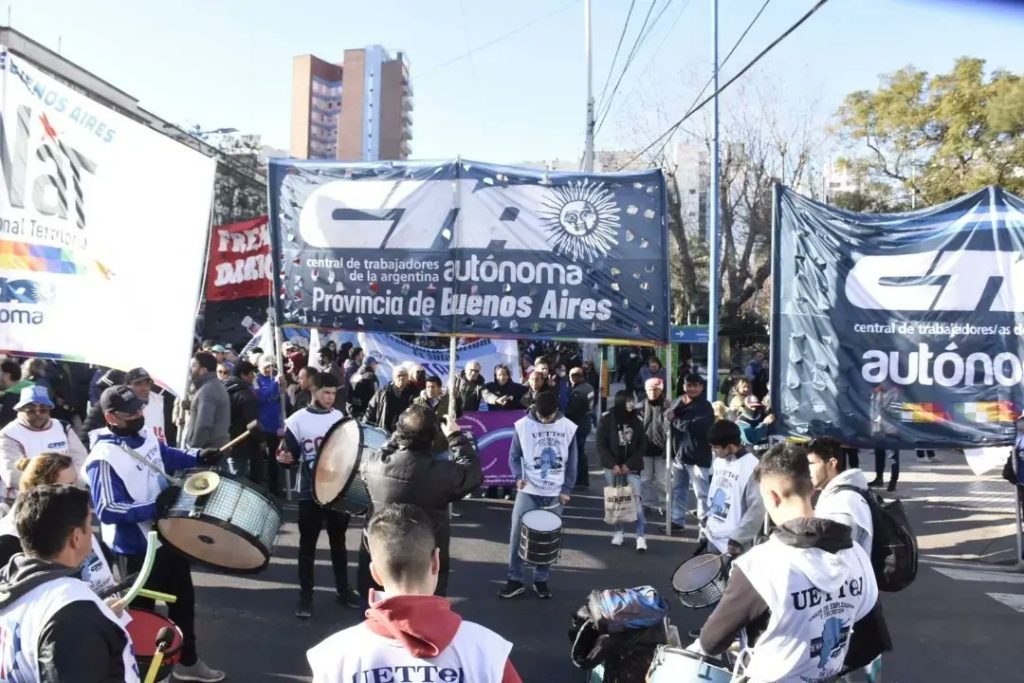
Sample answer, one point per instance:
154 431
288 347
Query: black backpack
893 543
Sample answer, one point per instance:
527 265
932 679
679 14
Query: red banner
240 263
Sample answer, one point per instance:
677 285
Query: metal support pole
1018 500
278 343
452 345
588 147
714 289
668 447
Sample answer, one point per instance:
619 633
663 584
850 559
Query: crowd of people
55 446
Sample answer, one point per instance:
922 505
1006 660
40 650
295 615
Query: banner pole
452 344
668 447
715 287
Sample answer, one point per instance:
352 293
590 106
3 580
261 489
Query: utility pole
714 290
588 148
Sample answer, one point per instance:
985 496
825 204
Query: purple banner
493 432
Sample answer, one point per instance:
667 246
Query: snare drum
674 665
540 537
143 629
700 581
337 482
232 528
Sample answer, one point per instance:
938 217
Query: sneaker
641 544
891 487
679 524
511 589
198 672
542 590
455 511
348 598
934 458
304 610
618 538
875 483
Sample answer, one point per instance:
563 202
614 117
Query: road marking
980 576
1010 600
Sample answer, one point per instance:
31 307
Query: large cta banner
470 248
900 330
103 229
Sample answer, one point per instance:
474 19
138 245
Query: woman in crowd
621 444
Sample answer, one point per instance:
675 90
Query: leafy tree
934 137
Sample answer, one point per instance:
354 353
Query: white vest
809 627
729 477
53 439
358 655
545 452
849 508
22 623
154 415
309 428
142 483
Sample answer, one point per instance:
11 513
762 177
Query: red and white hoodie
413 638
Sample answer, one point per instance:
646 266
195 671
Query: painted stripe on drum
1010 600
980 576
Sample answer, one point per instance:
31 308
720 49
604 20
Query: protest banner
239 264
100 217
899 330
463 247
493 431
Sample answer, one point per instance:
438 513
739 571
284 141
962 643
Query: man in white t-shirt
797 596
409 633
735 513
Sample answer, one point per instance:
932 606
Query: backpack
893 543
625 609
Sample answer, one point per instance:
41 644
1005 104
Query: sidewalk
956 514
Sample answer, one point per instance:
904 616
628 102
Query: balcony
407 103
406 132
406 149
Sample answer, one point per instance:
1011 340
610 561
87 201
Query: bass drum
143 629
675 665
337 482
231 528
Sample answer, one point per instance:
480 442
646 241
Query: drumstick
164 638
156 595
249 429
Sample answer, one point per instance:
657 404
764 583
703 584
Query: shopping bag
619 503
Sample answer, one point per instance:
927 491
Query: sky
483 94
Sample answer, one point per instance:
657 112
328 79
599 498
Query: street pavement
960 621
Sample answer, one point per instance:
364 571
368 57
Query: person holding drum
798 595
303 433
408 629
543 461
735 512
53 627
128 477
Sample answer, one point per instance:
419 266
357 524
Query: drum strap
145 461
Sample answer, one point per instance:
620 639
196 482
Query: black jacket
493 391
364 385
581 399
245 407
79 643
470 393
655 426
621 443
401 473
387 404
690 425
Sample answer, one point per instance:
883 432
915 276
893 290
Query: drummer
543 460
304 430
735 511
128 496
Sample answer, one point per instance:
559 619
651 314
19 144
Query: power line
497 40
693 110
632 55
618 47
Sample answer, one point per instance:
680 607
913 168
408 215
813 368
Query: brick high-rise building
357 110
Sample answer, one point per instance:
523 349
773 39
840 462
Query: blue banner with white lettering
899 330
469 248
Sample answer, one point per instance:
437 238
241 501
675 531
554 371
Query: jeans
653 480
582 466
684 479
634 483
526 502
171 574
312 519
880 465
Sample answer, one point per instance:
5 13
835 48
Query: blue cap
34 394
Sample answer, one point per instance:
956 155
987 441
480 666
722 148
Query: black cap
120 399
137 375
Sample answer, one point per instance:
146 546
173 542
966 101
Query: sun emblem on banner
581 219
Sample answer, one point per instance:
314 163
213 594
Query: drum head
697 572
542 520
143 629
337 460
212 543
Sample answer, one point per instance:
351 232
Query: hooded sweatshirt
812 584
848 507
413 638
61 629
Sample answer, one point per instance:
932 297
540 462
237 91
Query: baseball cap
120 399
137 375
34 395
370 360
218 348
654 383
